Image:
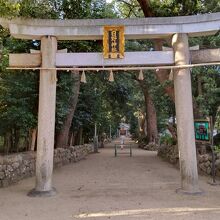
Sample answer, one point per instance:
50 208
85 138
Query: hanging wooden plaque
113 42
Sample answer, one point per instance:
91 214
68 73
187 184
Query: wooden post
184 114
46 120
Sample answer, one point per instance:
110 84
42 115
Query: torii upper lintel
92 29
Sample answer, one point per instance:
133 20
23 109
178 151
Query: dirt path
105 187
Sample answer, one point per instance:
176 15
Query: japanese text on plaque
113 42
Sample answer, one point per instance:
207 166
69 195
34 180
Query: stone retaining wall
171 154
18 166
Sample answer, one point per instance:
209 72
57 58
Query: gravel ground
105 187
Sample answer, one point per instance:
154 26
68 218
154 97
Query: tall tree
62 136
151 115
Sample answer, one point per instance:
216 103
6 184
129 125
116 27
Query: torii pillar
185 119
46 119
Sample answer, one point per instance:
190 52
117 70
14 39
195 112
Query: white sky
108 1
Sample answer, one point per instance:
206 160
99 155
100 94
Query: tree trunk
173 131
7 142
71 139
33 139
17 139
63 134
81 136
151 115
142 125
145 6
74 138
102 142
162 74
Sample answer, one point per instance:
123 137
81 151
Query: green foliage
217 122
167 140
142 140
128 9
105 103
86 9
216 139
176 8
209 82
9 8
39 9
164 106
64 92
18 94
217 148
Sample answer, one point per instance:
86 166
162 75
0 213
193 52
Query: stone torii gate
49 60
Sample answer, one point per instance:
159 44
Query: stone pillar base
35 193
196 192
